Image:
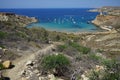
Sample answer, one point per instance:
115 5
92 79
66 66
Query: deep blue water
66 20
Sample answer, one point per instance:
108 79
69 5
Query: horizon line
55 8
47 8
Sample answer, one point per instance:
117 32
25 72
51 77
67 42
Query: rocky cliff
107 21
16 20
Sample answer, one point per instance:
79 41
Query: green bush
94 75
38 34
2 34
1 66
85 50
58 62
99 50
80 48
74 45
95 57
1 79
112 70
2 46
61 47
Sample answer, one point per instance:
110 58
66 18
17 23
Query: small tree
58 62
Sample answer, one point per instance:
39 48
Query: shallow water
63 20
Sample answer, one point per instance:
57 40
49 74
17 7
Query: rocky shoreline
20 20
105 22
108 19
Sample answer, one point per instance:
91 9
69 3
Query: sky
57 3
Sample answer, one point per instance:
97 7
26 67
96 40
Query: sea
61 19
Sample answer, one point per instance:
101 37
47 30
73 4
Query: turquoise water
63 20
67 27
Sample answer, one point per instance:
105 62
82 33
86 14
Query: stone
28 77
29 63
6 64
0 60
51 77
60 79
41 78
84 77
36 71
23 73
24 78
38 74
98 68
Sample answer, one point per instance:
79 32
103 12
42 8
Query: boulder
7 64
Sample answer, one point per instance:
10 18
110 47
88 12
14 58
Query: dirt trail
14 74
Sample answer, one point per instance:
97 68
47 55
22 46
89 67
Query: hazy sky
57 3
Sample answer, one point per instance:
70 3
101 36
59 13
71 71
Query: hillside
86 53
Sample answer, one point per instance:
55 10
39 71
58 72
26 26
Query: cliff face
104 19
107 20
16 20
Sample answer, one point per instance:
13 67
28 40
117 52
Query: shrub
74 45
85 50
99 50
80 48
58 62
2 34
94 75
95 57
1 66
70 51
78 57
112 70
61 47
2 46
1 79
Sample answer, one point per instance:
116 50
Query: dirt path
14 74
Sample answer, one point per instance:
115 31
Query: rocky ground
22 67
108 42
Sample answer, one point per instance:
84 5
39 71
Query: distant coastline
69 22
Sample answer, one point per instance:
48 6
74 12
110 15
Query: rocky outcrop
107 22
16 20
